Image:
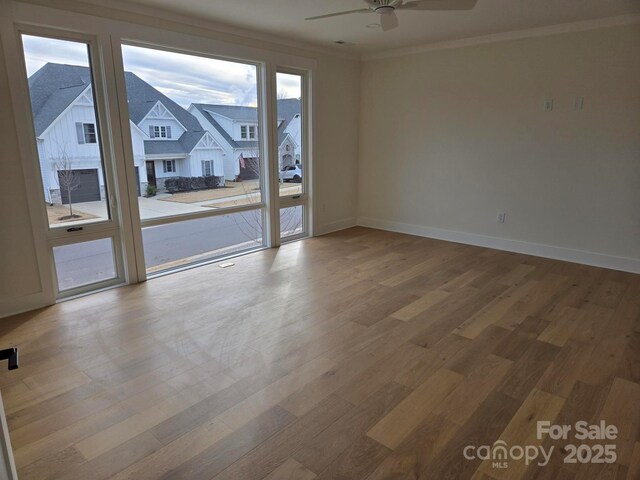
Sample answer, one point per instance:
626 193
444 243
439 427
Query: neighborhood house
236 131
168 141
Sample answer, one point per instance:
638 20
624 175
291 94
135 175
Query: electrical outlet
548 105
500 217
578 103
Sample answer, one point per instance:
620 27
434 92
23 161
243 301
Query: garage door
84 183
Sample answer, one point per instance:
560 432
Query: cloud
40 50
190 79
184 78
289 86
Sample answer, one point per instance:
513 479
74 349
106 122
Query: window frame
110 34
304 199
51 236
88 134
209 166
169 166
262 206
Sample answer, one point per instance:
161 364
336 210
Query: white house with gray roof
235 128
167 140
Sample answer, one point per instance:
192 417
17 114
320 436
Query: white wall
335 107
225 122
61 137
137 143
183 168
465 136
295 130
200 154
230 165
19 275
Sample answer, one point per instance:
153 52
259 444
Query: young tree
67 178
250 223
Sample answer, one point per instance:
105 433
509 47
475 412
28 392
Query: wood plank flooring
362 354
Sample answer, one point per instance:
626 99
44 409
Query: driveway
149 208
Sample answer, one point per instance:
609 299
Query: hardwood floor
362 354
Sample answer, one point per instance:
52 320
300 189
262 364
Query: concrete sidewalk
155 207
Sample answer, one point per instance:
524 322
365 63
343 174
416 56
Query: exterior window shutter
164 164
204 171
80 132
168 132
151 135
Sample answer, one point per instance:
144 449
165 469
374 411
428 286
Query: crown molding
143 14
620 20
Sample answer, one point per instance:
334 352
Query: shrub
186 184
177 184
210 182
197 183
151 190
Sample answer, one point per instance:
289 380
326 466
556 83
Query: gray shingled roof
54 87
183 145
235 112
202 109
287 109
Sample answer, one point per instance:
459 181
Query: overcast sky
185 79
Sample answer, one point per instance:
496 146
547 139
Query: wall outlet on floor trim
501 217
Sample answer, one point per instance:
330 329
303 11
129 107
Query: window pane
84 263
190 120
191 241
291 159
291 221
67 133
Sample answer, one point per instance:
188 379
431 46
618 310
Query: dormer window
248 132
159 131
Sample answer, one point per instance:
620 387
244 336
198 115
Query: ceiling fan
387 9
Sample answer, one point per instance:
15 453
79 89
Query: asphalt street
89 262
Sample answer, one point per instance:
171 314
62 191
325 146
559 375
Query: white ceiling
285 18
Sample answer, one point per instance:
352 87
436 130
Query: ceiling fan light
385 10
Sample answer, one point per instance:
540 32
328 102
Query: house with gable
167 140
235 128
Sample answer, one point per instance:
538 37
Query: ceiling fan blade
360 10
438 5
389 21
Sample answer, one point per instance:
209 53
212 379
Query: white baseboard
13 306
335 226
518 246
